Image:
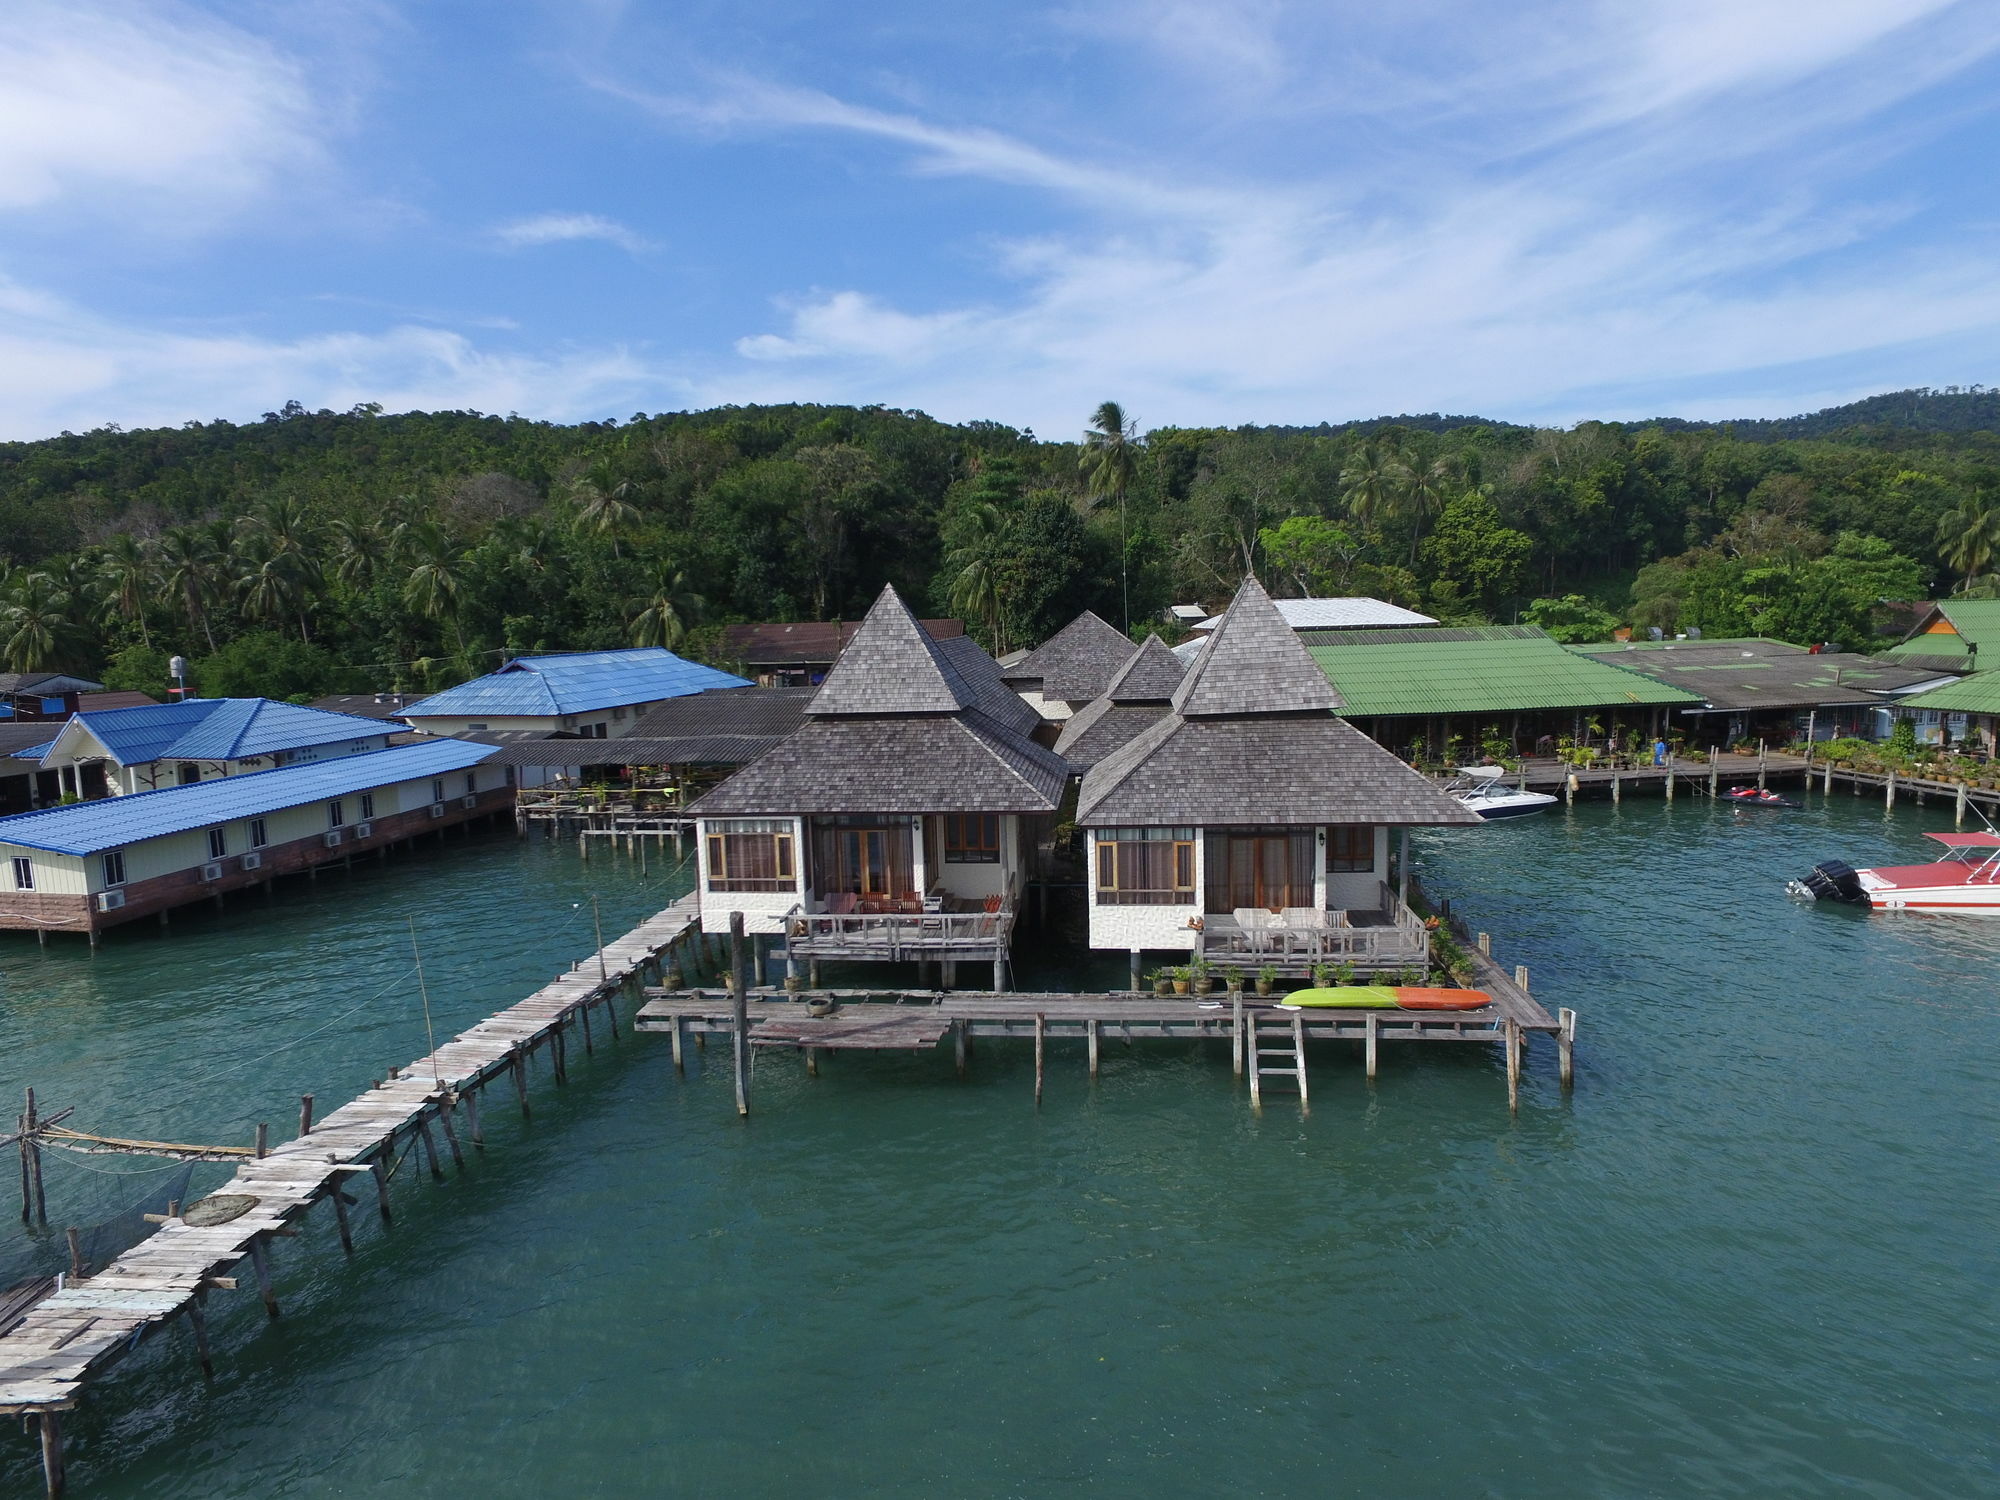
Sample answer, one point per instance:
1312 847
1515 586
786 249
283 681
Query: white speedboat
1481 789
1967 879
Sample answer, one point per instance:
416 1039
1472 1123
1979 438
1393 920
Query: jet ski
1751 796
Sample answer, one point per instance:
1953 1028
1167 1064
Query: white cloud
150 108
558 228
63 367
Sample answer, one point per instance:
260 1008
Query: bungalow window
24 874
1145 867
335 815
218 846
972 838
471 783
367 806
751 854
114 867
257 839
437 790
190 773
1350 847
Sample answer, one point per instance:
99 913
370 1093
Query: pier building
591 694
87 866
1950 635
41 696
800 654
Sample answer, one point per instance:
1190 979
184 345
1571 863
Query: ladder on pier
1277 1048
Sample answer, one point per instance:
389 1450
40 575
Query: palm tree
1419 491
35 622
274 586
1969 538
290 538
358 550
1367 482
1109 465
191 569
601 506
433 588
128 572
664 617
975 563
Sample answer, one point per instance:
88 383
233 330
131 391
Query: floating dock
52 1349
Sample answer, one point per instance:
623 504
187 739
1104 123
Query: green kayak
1390 997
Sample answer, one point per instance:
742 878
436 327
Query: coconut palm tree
288 537
37 631
191 570
129 573
1109 465
359 548
1368 482
1419 491
974 563
274 586
1969 538
663 618
601 506
434 587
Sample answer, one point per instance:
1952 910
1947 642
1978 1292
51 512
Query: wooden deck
49 1351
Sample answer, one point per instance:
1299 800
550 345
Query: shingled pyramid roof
1076 663
891 666
1151 676
1254 663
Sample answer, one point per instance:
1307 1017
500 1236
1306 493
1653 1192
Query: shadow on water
1746 1257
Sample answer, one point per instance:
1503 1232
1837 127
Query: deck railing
1401 942
891 936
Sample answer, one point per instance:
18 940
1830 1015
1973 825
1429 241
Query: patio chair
1256 924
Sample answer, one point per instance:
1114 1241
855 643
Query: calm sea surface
1753 1254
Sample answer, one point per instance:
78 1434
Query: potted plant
1163 982
1343 973
1180 978
1267 979
1198 972
1232 980
1322 976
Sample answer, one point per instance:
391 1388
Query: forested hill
319 549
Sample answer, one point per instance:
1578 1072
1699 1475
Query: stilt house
1071 668
1249 825
1139 696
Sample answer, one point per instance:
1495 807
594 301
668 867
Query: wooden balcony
902 936
1373 940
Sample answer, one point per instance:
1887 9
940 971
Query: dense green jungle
317 551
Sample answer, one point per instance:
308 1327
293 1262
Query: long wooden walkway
48 1353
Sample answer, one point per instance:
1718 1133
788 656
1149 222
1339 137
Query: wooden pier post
1372 1025
1041 1028
680 1053
1512 1042
52 1463
472 1125
1485 941
1566 1045
1090 1037
198 1323
444 1114
1958 813
1889 791
1569 790
1236 1033
1826 781
340 1217
1670 778
31 1165
429 1143
260 1261
305 1114
1714 772
959 1045
263 1140
739 1009
589 1043
520 1072
1614 788
1521 977
75 1254
1135 971
380 1173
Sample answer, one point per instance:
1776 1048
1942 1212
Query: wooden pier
51 1349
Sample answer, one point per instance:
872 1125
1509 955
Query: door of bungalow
870 857
1271 868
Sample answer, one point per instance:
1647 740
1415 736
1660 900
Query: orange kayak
1390 997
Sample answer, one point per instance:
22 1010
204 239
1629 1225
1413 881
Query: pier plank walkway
50 1351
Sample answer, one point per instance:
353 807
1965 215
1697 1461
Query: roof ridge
1143 678
1257 662
890 665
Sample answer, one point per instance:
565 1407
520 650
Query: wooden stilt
589 1044
1373 1025
198 1323
520 1072
1889 791
1521 977
263 1140
1299 1053
340 1218
1041 1029
1512 1042
472 1126
305 1114
444 1115
1485 941
1670 779
52 1457
680 1055
739 1008
379 1170
1135 970
958 1046
260 1261
430 1147
1236 1033
1566 1045
611 1014
558 1055
1826 781
1090 1034
812 1062
1615 785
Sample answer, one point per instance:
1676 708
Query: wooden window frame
783 860
982 847
1349 863
1113 867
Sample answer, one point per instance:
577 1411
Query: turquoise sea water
1752 1254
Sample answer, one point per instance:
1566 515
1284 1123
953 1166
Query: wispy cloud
561 228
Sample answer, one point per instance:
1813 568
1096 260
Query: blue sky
1245 210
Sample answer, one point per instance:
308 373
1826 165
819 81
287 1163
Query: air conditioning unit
437 809
110 900
468 802
362 830
333 838
212 871
253 861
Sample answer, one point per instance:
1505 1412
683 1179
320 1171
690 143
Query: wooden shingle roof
891 666
1099 728
1151 675
1253 663
1075 664
1284 770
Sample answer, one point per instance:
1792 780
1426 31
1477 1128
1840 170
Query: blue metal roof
218 729
113 822
574 682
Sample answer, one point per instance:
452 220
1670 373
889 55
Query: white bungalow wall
615 721
764 912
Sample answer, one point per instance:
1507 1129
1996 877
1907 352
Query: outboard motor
1832 881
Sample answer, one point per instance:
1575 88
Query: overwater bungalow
1070 668
894 823
1249 825
591 694
121 751
91 865
1139 695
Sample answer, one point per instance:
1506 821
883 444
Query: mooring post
958 1045
1670 778
1614 786
198 1324
305 1114
1512 1042
1486 944
1090 1033
1569 790
1889 791
1958 813
75 1254
1236 1033
1714 771
263 1140
680 1044
260 1261
1566 1045
1372 1025
52 1464
31 1164
1135 971
1041 1029
1826 781
1521 977
739 1010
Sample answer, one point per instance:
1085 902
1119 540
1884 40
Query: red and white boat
1967 879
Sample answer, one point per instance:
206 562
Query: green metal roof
1474 670
1976 621
1755 673
1977 694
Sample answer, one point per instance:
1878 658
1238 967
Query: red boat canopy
1967 840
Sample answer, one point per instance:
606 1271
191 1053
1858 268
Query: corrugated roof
1977 694
1976 622
52 684
216 729
573 682
113 822
745 710
1076 663
91 703
1502 669
367 705
1253 663
808 642
640 750
1358 613
1758 674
